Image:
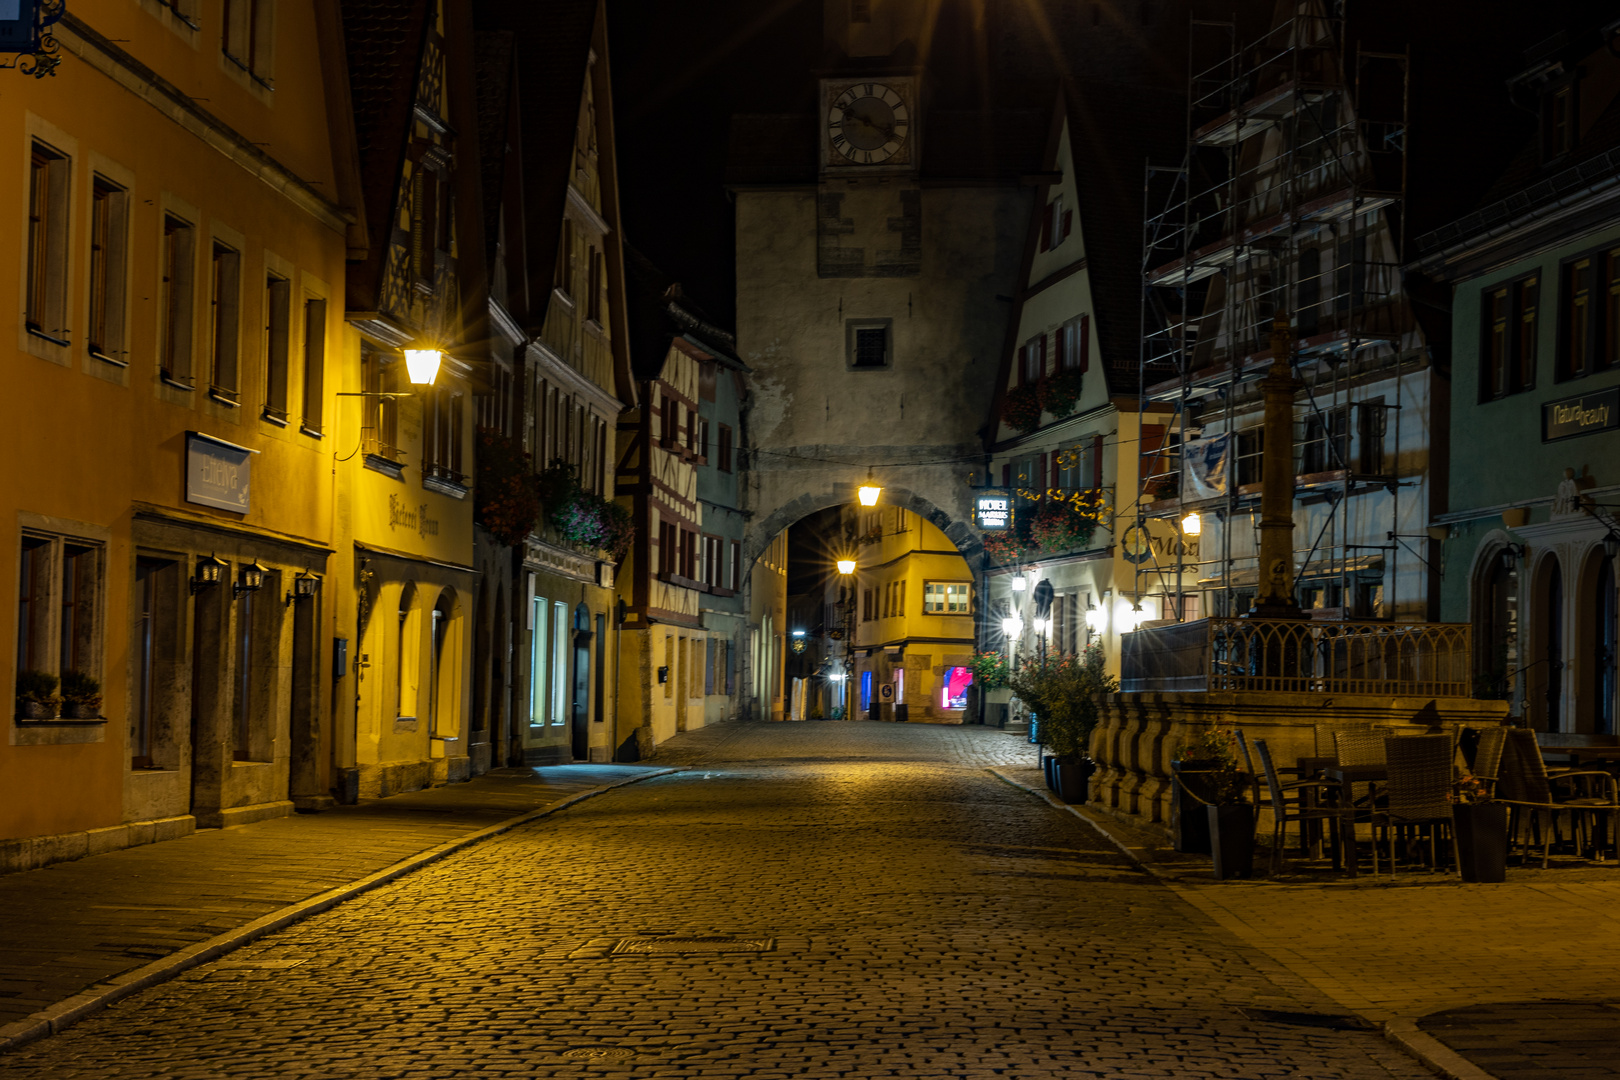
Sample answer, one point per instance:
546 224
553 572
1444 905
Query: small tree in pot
1211 757
1065 691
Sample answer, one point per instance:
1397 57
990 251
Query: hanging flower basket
1062 393
505 501
1004 548
1022 407
1058 526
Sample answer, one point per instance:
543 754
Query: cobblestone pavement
856 900
73 924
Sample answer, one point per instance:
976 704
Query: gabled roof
1114 132
660 313
385 41
554 40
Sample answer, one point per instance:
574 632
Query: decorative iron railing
1300 656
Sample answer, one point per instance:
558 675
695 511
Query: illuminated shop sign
992 511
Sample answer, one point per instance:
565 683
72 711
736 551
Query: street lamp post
846 568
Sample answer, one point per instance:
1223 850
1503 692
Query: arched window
442 612
1496 627
407 652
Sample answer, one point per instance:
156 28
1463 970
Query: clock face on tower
867 124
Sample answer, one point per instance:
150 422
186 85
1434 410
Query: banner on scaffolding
1208 465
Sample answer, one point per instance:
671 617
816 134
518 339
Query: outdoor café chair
1417 791
1488 756
1524 785
1283 810
1325 746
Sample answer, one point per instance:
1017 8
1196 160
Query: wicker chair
1325 747
1488 755
1360 747
1283 811
1417 791
1524 784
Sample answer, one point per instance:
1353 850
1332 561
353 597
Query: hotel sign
992 511
1581 415
218 473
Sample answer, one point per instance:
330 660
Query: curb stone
1402 1032
65 1013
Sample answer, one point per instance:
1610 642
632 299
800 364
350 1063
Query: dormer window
1558 121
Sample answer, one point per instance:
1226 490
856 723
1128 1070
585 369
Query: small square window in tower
868 343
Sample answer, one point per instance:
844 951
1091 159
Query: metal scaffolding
1287 199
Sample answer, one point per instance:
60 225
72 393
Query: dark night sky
679 71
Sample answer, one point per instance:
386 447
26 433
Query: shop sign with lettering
217 472
1581 415
992 510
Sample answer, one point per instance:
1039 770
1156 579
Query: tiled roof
384 40
1114 131
553 41
650 295
493 67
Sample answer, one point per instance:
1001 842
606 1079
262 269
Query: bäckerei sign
1582 415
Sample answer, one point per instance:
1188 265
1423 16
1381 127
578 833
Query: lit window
945 598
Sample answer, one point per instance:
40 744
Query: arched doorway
1496 627
579 720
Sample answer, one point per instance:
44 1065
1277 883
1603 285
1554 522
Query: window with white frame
1073 344
946 597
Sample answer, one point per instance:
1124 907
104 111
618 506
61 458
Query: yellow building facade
912 619
176 275
403 451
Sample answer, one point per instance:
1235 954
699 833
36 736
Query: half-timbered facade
406 519
675 567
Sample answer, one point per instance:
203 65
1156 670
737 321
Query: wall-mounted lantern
208 572
249 579
303 587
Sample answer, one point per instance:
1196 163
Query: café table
1310 768
1347 777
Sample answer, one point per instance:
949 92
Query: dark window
593 286
1508 352
109 209
314 364
860 11
1372 421
223 294
175 307
1251 454
1558 119
45 305
1309 291
277 342
871 346
1326 443
725 448
247 36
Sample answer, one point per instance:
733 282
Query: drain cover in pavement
677 945
599 1053
1302 1019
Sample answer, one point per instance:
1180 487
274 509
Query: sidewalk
1477 981
77 935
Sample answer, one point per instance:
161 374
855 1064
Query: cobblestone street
856 900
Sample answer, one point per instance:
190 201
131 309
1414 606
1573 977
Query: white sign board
218 473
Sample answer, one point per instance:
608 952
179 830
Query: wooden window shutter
1084 346
1096 461
1068 222
1046 229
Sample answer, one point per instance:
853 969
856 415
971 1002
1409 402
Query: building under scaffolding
1288 200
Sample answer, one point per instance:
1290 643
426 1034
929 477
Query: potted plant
1064 691
81 696
1229 815
36 695
1480 825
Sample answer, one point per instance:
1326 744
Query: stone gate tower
879 233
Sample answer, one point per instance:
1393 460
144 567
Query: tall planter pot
1049 767
1074 780
1189 826
1231 833
1481 840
